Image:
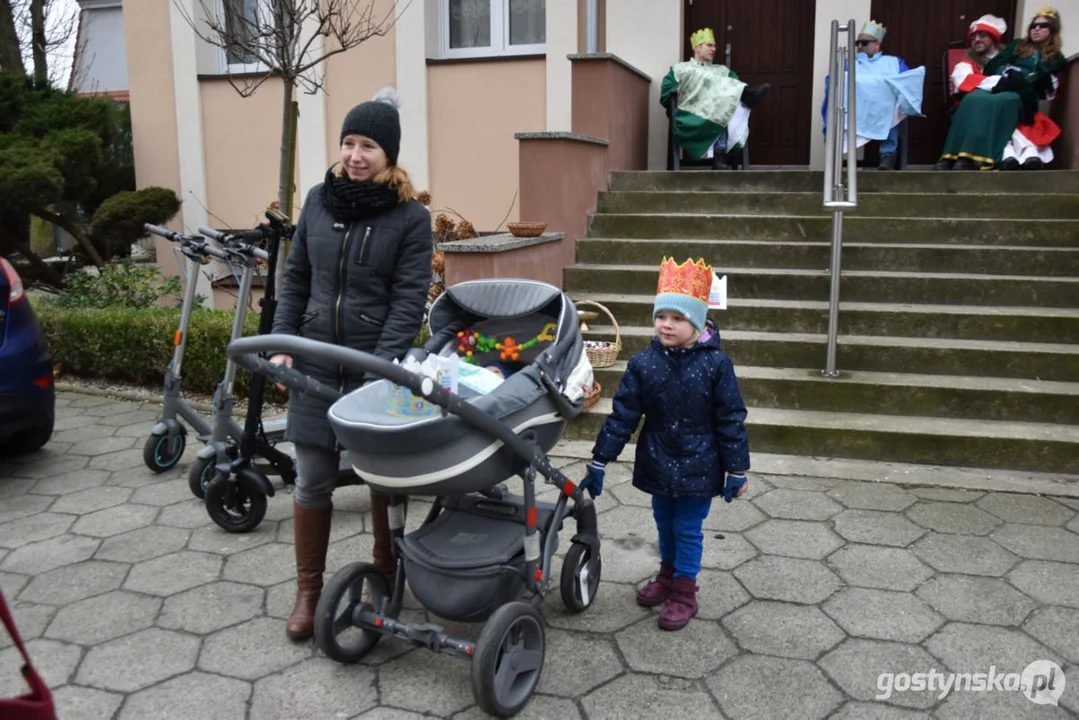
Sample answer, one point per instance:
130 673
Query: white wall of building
102 60
561 42
412 19
827 11
1069 18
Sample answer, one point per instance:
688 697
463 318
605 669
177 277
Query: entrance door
770 41
920 31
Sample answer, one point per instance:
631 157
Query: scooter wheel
243 514
199 476
508 659
161 452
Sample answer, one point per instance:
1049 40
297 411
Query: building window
245 20
486 28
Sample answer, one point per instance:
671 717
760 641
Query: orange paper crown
690 278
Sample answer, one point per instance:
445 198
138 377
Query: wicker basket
606 355
591 396
526 229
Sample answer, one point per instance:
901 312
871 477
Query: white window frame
228 68
500 34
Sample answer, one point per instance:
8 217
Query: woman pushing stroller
357 275
693 438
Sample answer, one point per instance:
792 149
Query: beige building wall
1069 18
474 109
827 11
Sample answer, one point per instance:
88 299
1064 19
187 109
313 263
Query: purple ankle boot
681 606
657 591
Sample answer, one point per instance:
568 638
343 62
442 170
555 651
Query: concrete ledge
577 57
496 243
561 136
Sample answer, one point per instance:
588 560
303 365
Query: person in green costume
712 116
996 123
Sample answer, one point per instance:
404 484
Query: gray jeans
316 476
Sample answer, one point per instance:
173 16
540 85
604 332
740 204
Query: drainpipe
591 26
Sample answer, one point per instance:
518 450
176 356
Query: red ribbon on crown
690 278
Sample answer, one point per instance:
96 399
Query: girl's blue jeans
681 532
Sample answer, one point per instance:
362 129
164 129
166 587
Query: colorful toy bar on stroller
478 552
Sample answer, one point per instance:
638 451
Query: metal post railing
837 195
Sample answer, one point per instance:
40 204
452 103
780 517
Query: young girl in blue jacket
693 438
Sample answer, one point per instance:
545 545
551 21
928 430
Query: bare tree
278 37
38 30
10 45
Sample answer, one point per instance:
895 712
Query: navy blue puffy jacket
693 420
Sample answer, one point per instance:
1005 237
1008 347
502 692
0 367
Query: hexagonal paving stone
872 496
1058 628
1039 542
875 711
115 520
1029 509
21 506
93 431
790 631
630 560
130 417
794 538
91 500
1074 525
1071 700
1048 582
424 682
162 494
211 607
73 583
214 539
342 525
883 568
725 550
50 554
385 713
30 618
719 594
139 476
71 483
877 528
52 466
973 648
796 688
194 695
803 482
267 565
174 573
99 619
882 614
628 495
974 599
79 703
86 400
142 544
996 706
34 528
190 515
582 663
789 579
101 446
941 494
730 517
857 666
11 583
252 650
964 554
54 661
614 607
13 487
625 697
539 707
138 661
121 460
798 505
110 408
693 653
953 518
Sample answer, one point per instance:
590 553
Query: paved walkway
137 606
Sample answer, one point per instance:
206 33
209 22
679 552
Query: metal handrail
842 112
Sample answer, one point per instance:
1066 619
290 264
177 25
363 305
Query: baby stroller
480 549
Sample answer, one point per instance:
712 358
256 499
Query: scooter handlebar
167 234
246 241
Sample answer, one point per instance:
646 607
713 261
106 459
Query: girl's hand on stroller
593 480
736 486
281 359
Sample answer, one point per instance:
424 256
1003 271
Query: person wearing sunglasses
887 92
996 124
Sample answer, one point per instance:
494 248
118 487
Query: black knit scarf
348 200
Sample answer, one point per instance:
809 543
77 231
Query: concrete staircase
959 322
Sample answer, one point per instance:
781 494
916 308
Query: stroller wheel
242 514
161 452
580 577
199 476
358 585
509 659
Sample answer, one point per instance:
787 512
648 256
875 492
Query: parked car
27 392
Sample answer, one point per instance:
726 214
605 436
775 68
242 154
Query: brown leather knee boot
311 532
380 527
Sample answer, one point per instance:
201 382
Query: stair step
1041 232
967 322
928 356
887 204
1042 447
856 285
913 181
943 396
806 254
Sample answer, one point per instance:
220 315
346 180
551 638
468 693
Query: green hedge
135 345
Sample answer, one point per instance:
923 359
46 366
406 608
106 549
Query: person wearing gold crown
886 92
712 117
997 123
694 445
